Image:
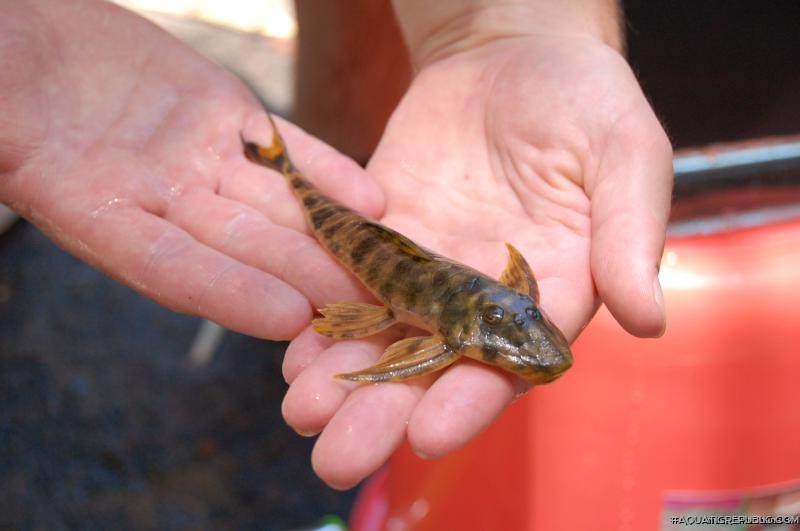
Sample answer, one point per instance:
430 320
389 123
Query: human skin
122 145
526 129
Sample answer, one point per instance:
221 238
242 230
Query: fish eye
493 314
533 313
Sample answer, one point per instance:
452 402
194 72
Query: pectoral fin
352 320
518 274
405 359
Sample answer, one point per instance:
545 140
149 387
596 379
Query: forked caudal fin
274 157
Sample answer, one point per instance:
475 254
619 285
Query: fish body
467 313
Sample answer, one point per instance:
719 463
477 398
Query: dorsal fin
518 274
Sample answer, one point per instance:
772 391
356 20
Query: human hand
542 141
122 145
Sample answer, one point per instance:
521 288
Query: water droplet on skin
105 206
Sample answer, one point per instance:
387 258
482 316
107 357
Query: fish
467 313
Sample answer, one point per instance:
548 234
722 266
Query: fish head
509 330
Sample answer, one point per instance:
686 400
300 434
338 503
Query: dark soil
104 424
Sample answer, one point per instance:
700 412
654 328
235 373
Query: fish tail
276 157
273 156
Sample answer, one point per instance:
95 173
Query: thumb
630 208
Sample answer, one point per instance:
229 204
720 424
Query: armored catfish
497 322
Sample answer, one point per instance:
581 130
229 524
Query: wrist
436 30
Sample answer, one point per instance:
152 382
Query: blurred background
105 422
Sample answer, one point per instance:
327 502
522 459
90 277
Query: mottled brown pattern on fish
426 290
399 279
356 241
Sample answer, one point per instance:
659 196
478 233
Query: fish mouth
542 369
536 364
542 377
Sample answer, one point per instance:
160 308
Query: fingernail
423 455
658 295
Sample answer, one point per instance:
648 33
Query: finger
166 264
333 173
457 407
302 351
244 234
364 432
315 395
266 192
630 208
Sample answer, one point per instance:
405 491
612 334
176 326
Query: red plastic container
705 420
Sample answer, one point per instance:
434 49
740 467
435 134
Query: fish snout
546 362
